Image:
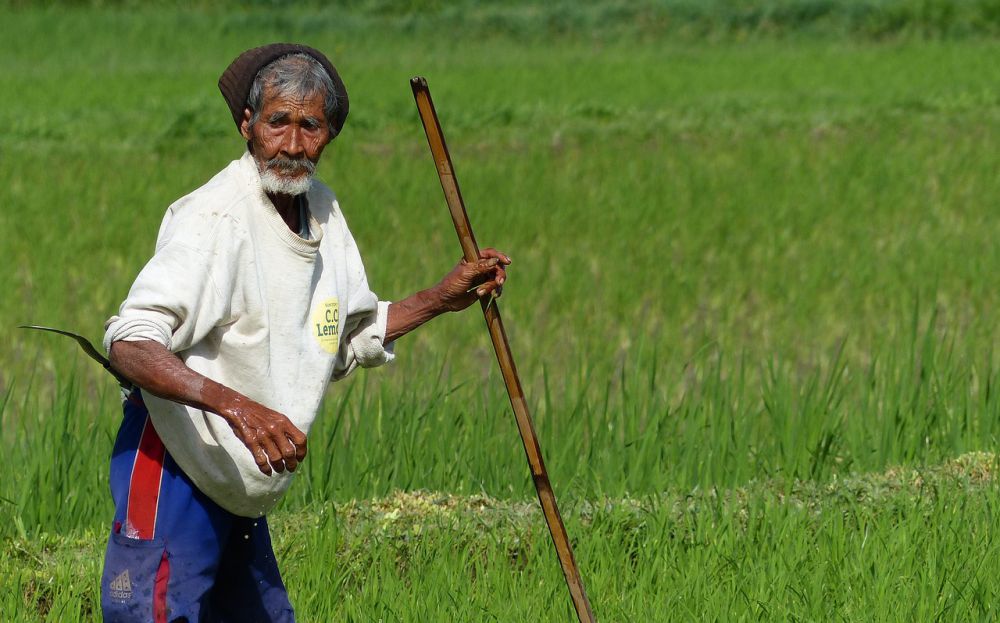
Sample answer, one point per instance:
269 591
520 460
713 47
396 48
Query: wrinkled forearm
275 443
149 365
411 312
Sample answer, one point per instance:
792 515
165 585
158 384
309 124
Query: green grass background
753 243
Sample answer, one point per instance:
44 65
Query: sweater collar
247 166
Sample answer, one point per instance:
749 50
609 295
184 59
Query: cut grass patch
811 551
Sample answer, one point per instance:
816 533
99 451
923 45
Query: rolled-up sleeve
134 327
364 346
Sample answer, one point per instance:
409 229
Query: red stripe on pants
144 488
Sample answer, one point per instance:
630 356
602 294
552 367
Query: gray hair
293 75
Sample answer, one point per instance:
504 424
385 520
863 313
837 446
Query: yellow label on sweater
326 324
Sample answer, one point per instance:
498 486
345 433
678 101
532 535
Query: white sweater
248 303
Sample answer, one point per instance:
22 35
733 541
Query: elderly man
254 300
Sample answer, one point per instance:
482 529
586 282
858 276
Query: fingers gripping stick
547 499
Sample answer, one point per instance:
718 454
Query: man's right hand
275 443
272 439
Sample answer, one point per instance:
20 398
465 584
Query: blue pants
174 554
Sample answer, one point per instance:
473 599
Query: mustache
291 166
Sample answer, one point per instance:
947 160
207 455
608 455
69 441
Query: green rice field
754 301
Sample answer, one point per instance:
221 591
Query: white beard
281 185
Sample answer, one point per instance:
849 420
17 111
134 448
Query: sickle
87 348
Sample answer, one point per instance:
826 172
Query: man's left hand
471 280
459 289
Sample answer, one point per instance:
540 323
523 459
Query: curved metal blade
87 347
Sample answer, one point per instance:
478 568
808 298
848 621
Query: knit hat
236 81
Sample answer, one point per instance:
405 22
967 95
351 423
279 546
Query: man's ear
245 124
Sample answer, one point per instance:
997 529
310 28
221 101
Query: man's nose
293 145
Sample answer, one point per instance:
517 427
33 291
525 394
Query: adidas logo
121 587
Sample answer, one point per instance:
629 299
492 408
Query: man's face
287 140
